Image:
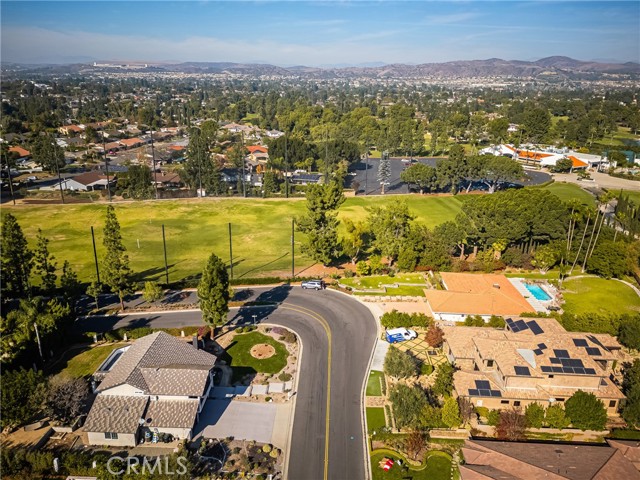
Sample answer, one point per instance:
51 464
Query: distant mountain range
493 67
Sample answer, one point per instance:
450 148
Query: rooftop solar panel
542 346
580 370
561 354
537 351
524 371
594 351
521 324
580 342
546 369
557 369
496 393
473 393
484 393
567 370
590 371
555 360
484 384
534 327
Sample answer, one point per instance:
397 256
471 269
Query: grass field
597 295
79 364
195 228
438 467
374 387
634 196
239 353
569 191
375 419
375 282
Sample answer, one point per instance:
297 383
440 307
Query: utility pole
244 180
35 325
230 254
366 170
286 168
59 177
13 198
153 159
326 156
164 245
293 250
95 254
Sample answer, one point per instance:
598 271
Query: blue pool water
538 292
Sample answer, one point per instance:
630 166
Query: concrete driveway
241 420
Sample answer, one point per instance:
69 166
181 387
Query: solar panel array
541 348
519 325
483 389
594 351
580 342
564 364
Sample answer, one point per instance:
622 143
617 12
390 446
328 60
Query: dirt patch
262 351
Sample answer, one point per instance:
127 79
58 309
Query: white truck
396 335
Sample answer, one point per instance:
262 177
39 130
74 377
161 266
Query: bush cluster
395 319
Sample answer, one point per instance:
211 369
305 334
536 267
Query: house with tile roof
84 182
474 294
159 384
531 360
497 460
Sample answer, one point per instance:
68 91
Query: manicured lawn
239 353
375 282
568 191
550 275
195 228
438 467
375 418
374 386
597 295
82 363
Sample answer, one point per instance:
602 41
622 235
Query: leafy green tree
17 259
408 404
94 290
355 240
534 414
47 153
562 166
586 411
498 170
443 384
545 257
44 264
497 130
320 222
22 396
140 182
631 388
450 171
69 283
536 124
270 183
399 364
431 417
116 273
213 292
421 175
609 259
629 331
451 413
390 227
152 292
454 234
199 170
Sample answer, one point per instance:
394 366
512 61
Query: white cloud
447 19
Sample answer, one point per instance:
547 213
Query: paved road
366 175
335 330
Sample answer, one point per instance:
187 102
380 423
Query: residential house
157 385
168 179
498 460
23 152
531 360
306 178
84 182
473 294
71 130
131 142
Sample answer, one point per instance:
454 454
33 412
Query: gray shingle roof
115 413
160 364
171 413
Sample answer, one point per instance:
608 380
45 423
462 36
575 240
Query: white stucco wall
124 439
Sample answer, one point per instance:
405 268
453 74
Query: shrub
288 337
399 364
586 411
395 319
426 369
348 273
534 414
284 377
555 416
363 268
493 418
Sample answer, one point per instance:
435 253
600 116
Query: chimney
195 341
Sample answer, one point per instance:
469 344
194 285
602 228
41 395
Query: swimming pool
538 292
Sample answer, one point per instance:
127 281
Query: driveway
240 420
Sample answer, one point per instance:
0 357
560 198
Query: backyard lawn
375 419
374 385
438 467
239 353
598 295
79 363
375 283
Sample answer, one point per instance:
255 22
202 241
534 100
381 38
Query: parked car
395 335
313 284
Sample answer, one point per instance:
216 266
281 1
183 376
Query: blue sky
318 33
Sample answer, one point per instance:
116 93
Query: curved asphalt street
338 335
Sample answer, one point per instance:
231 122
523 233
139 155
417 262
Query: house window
550 376
516 403
560 399
504 402
110 435
489 363
612 403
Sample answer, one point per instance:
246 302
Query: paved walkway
377 363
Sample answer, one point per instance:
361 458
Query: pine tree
71 286
384 170
45 264
116 273
17 259
213 292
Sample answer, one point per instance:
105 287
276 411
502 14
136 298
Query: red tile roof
257 148
21 151
577 163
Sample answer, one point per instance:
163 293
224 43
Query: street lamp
255 319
